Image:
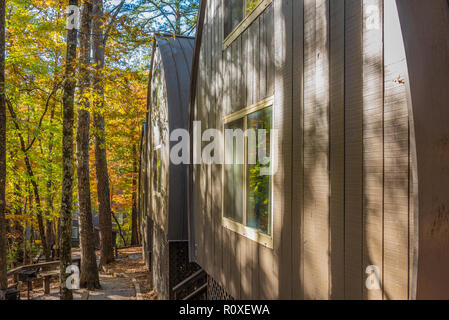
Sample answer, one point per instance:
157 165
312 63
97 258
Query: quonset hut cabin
358 207
163 192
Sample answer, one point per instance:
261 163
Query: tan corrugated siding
297 276
353 150
372 51
316 150
337 150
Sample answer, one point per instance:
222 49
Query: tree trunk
134 226
67 161
101 164
25 249
18 229
49 208
119 229
30 172
178 30
31 244
3 268
58 237
89 275
49 235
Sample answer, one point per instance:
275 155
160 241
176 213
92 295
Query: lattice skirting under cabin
180 267
215 291
169 262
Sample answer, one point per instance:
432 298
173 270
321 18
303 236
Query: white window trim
241 228
245 23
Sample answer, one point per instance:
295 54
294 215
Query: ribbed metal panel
177 55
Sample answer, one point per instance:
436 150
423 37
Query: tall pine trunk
89 275
67 161
134 226
3 277
101 164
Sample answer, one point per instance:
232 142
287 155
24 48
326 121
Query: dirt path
116 281
129 264
113 288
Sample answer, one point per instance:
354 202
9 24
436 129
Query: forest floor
119 281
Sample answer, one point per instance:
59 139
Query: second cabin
163 190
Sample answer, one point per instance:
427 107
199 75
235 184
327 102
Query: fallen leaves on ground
130 262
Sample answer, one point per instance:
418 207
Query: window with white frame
247 192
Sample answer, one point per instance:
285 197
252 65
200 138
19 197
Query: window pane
157 88
160 89
157 170
155 161
74 233
233 178
251 5
233 15
258 189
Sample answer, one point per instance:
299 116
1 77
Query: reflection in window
233 15
157 170
248 188
236 11
233 176
158 89
251 5
75 233
258 188
158 103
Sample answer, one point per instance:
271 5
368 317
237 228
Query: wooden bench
39 271
46 276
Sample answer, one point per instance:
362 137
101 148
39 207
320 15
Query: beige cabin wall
316 149
353 150
337 149
342 192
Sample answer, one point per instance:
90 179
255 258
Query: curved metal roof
177 56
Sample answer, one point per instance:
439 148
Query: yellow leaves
36 50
